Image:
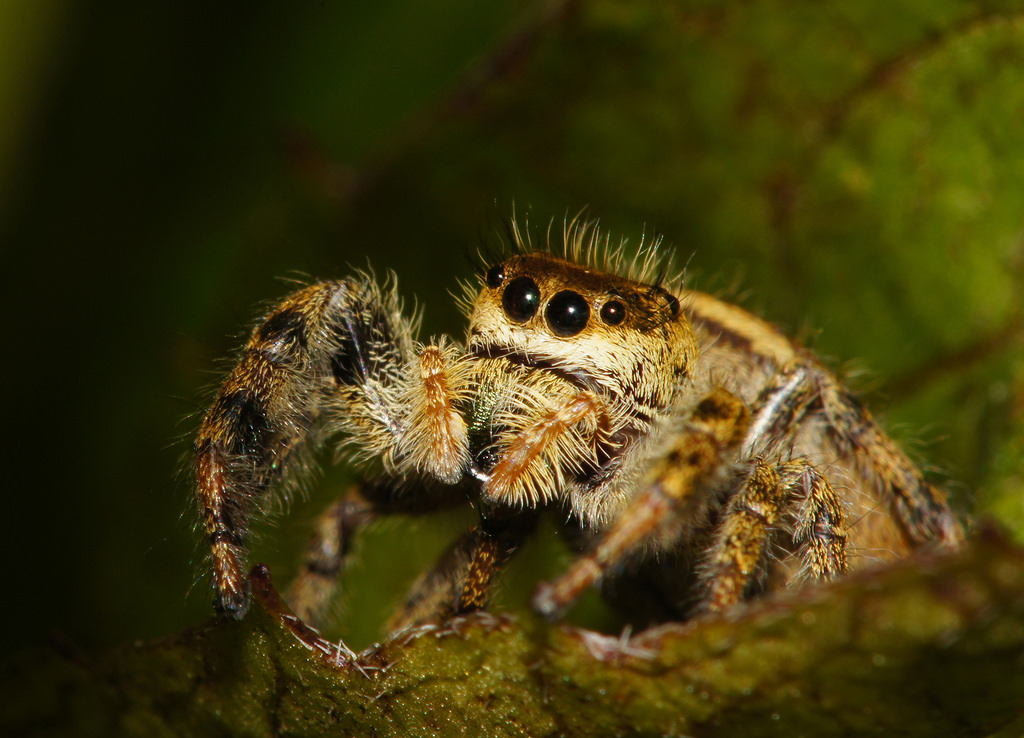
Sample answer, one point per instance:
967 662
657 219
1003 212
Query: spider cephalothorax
585 358
659 423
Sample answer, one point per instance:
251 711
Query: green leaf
929 646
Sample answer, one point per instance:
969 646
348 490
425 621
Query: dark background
854 174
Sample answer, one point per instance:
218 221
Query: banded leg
515 480
671 505
753 515
434 596
800 390
315 586
920 508
821 528
313 589
337 343
460 581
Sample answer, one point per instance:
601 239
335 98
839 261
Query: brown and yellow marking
740 546
533 443
445 430
482 568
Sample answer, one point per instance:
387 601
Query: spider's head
605 331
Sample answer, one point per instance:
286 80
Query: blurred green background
853 172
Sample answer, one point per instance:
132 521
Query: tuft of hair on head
583 242
649 263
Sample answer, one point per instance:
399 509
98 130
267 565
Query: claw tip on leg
544 603
235 606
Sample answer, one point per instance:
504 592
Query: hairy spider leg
741 539
264 408
313 590
333 357
460 582
538 441
920 508
438 593
753 514
672 495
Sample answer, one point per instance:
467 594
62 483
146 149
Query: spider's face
606 332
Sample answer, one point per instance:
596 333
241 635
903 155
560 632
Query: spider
693 455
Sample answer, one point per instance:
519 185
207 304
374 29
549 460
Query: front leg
334 357
673 502
534 467
271 403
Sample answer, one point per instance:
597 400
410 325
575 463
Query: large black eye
495 276
567 313
613 312
521 299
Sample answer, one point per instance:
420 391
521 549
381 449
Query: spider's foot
547 603
233 603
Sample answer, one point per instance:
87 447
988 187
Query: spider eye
613 312
521 299
567 313
673 304
495 276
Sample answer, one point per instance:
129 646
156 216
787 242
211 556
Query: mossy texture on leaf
930 646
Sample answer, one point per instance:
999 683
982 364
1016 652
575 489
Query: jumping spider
688 449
